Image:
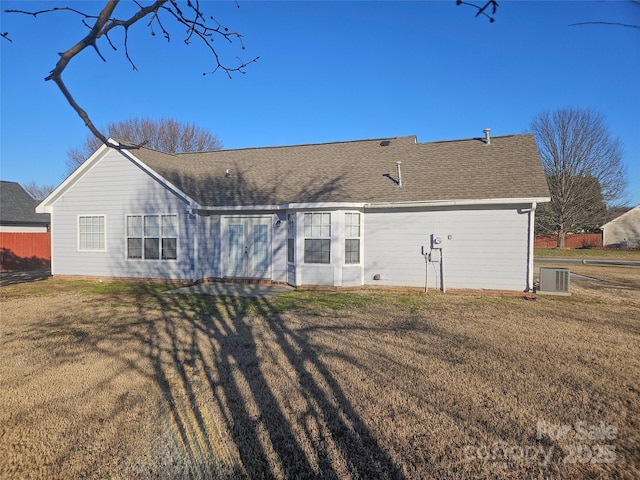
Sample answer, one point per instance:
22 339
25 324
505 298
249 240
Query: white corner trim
531 246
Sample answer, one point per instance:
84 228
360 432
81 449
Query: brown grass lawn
125 381
630 254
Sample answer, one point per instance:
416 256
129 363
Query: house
18 210
24 239
392 211
623 231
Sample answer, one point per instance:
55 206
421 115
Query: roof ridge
363 140
477 138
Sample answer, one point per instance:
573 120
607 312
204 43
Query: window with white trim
91 232
351 238
317 238
291 254
152 237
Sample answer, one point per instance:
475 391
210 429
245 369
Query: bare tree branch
38 192
54 9
482 9
615 24
66 57
192 18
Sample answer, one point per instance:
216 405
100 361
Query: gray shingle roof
17 207
357 171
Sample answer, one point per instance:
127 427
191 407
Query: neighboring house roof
357 171
17 207
625 217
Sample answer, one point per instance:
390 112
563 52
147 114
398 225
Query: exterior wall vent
554 281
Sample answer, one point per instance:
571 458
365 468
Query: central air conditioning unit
554 281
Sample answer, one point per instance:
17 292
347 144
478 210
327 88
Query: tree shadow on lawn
250 387
12 277
232 367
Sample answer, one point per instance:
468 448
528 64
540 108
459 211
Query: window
317 241
91 234
291 238
352 238
152 237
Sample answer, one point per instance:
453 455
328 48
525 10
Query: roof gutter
459 202
410 204
239 208
284 206
325 205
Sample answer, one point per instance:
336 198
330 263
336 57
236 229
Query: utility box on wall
554 281
438 240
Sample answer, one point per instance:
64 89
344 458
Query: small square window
91 232
317 251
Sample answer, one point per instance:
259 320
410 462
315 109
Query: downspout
196 253
532 215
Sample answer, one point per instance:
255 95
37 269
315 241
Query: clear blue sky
328 71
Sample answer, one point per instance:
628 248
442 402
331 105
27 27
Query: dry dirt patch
127 382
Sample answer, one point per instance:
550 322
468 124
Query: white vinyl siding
485 247
91 233
115 187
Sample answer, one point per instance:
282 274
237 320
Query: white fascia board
458 203
300 206
285 206
239 208
45 206
359 205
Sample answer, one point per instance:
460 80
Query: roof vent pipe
487 136
398 164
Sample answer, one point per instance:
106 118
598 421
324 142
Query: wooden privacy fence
25 251
573 240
